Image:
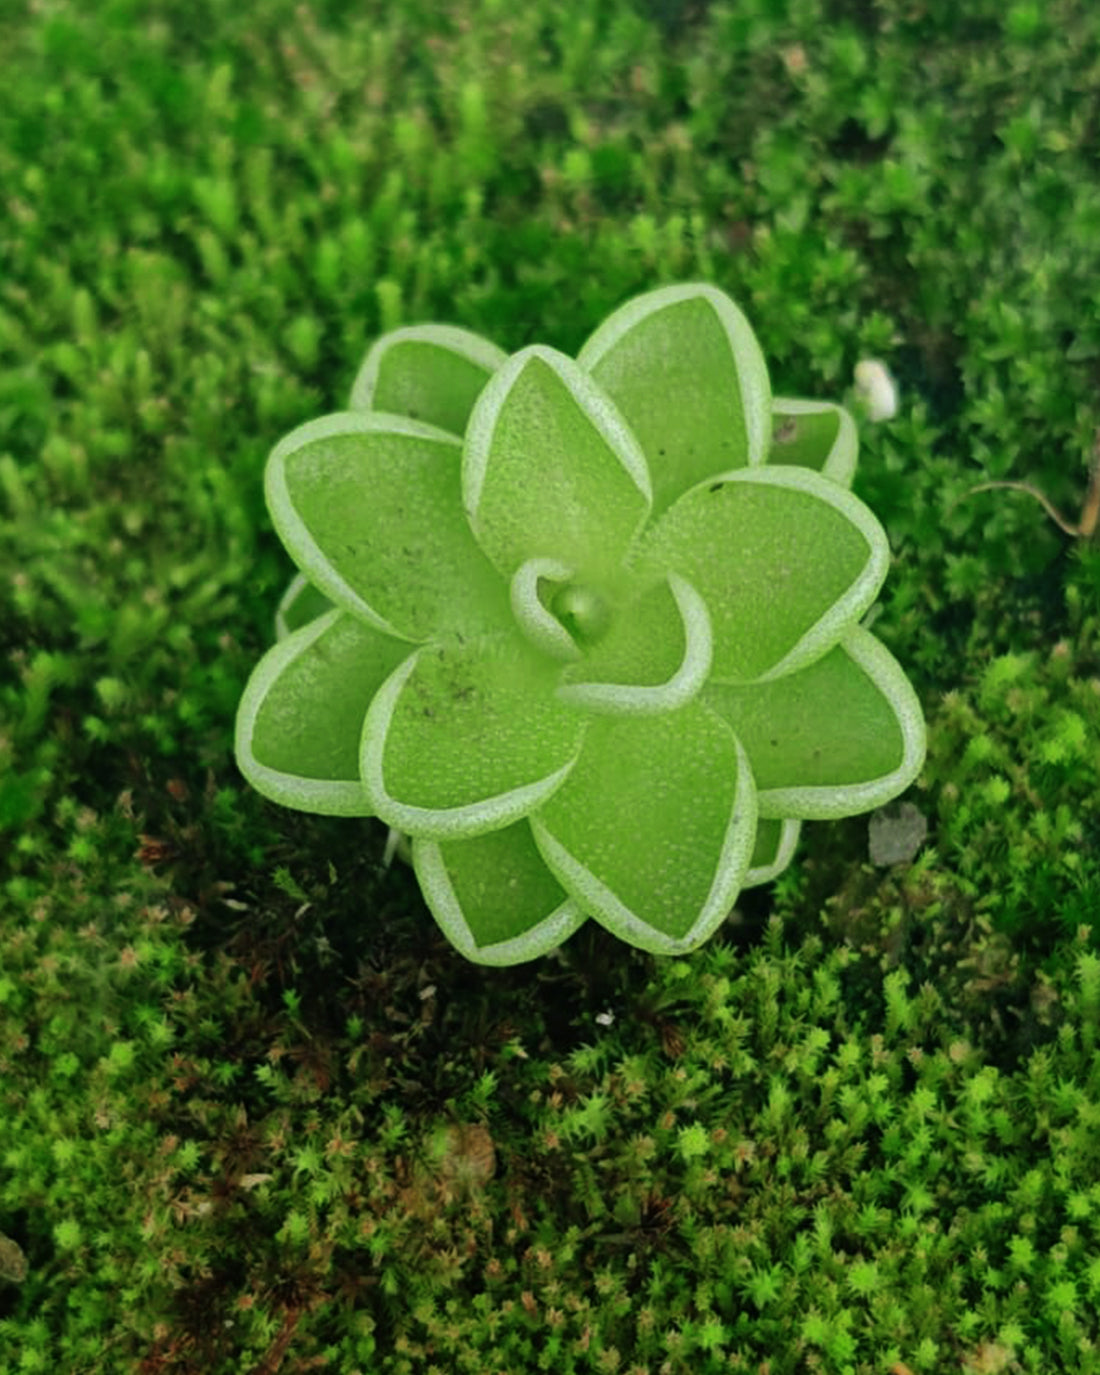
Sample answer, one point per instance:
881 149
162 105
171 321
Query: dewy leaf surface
494 897
426 372
838 737
773 851
685 370
369 506
549 469
532 615
302 712
466 738
814 434
301 603
783 558
652 831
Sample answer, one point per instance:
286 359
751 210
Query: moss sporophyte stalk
579 627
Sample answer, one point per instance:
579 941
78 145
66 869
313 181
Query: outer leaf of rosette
774 849
843 735
784 559
369 507
814 434
431 373
653 831
550 470
684 368
468 737
302 711
493 896
300 604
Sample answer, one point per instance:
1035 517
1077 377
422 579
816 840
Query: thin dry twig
1090 510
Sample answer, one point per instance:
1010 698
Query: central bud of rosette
559 612
580 608
627 645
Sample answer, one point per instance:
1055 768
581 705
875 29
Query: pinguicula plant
587 631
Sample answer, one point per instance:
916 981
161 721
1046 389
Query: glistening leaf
652 831
426 372
302 712
369 507
814 434
494 897
467 737
549 469
773 851
300 604
784 559
685 370
841 736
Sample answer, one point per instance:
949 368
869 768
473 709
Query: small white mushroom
877 389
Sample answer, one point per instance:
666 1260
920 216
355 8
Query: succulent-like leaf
550 470
467 737
841 736
814 434
494 897
773 851
684 368
426 372
533 616
652 832
302 712
369 507
784 559
300 604
655 656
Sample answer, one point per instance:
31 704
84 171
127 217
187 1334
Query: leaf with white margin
655 657
538 623
684 368
814 434
426 372
301 715
842 736
784 558
467 737
369 508
300 604
550 470
653 830
774 850
493 897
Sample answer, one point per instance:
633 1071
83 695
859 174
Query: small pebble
896 833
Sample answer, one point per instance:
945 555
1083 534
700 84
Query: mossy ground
255 1113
